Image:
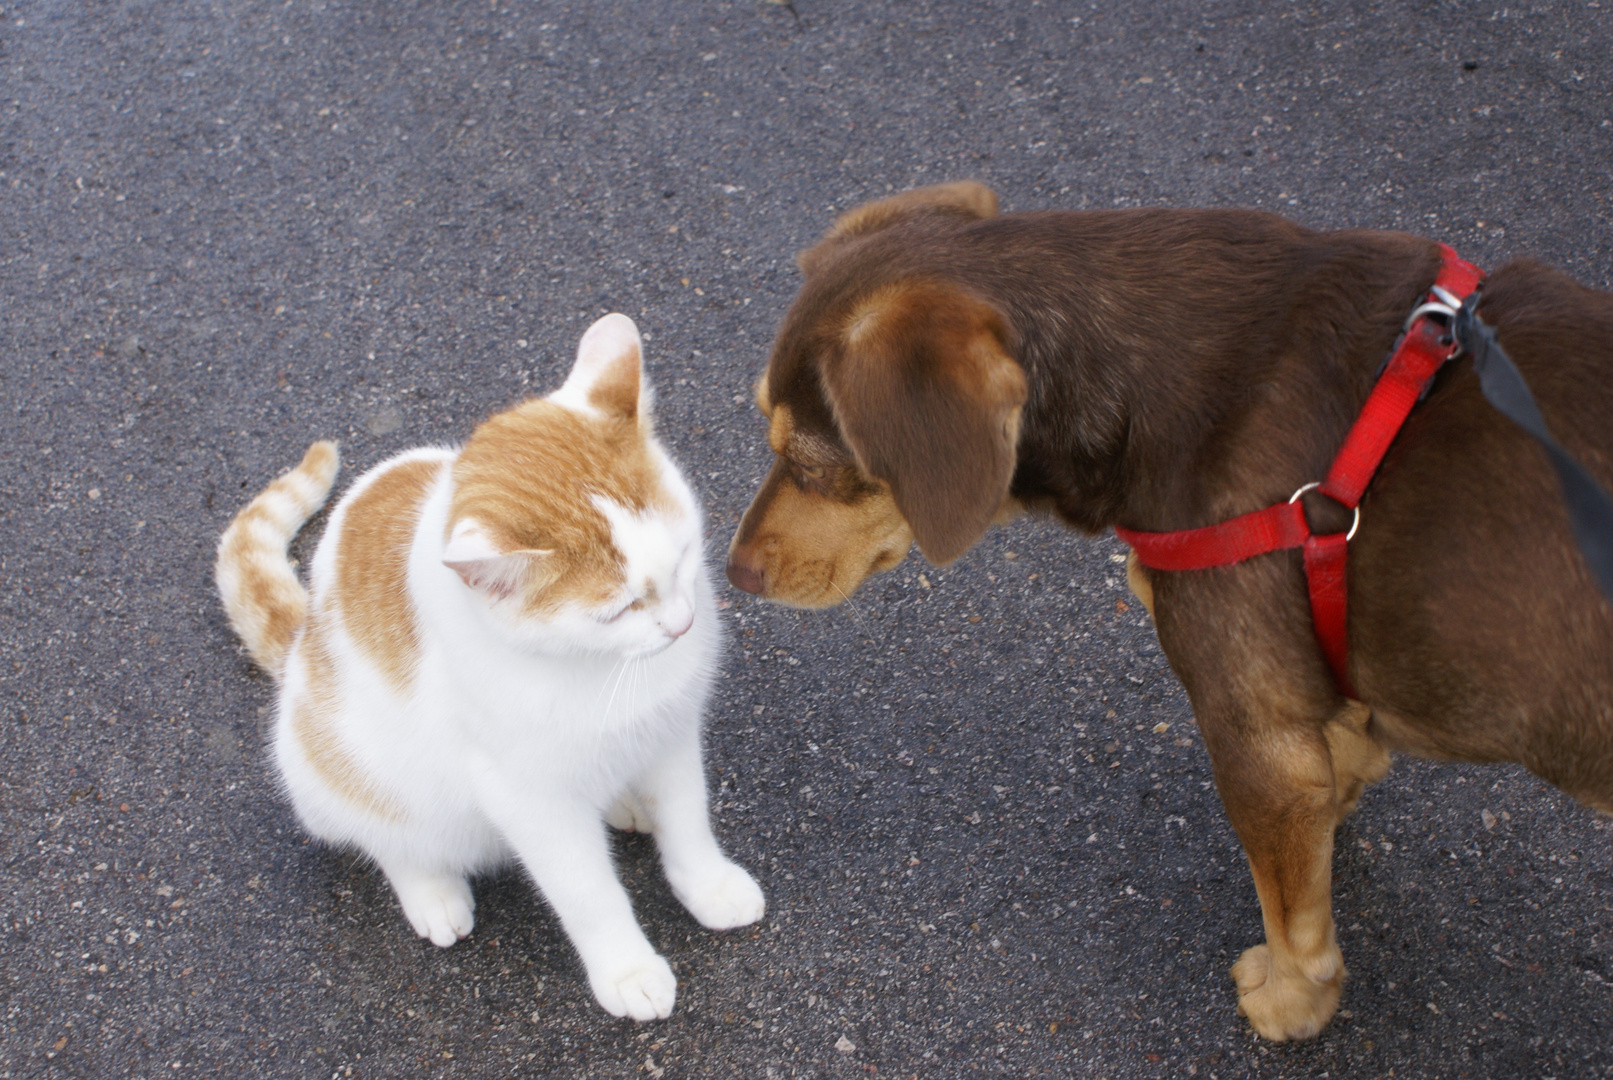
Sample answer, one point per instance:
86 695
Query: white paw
643 989
439 908
723 897
629 815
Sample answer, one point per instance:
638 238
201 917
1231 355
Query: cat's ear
608 376
479 562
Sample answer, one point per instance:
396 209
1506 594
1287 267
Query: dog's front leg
1277 784
1290 759
1358 755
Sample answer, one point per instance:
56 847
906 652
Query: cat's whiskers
615 668
620 671
612 739
851 607
640 668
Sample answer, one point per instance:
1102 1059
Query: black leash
1590 509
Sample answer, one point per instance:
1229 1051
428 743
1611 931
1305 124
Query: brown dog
944 367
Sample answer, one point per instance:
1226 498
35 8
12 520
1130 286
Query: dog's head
892 404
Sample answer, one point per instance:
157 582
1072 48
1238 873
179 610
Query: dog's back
1478 629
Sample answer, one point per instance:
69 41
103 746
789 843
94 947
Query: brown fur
1179 367
372 568
312 721
518 476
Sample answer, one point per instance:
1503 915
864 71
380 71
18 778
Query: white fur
520 738
612 339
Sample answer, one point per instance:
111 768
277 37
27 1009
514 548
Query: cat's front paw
643 989
440 908
722 898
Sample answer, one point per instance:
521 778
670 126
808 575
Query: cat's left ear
608 376
478 561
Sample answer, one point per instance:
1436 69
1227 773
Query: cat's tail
262 596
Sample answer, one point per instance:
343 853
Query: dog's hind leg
1359 758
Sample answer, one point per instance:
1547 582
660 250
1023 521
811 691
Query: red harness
1426 345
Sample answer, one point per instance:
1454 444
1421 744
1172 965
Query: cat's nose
677 619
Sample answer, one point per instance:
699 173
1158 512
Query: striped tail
262 596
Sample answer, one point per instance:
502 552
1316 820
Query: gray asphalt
977 801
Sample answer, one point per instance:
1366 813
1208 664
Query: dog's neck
1186 366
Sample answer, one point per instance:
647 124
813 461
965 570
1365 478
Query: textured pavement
976 799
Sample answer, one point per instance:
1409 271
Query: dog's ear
928 399
968 199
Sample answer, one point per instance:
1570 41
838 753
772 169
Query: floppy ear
608 375
967 199
929 400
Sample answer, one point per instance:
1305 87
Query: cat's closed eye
638 604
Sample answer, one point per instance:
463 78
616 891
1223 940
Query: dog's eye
807 476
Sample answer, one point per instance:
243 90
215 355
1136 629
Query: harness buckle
1445 305
1354 524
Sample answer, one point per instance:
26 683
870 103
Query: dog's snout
744 578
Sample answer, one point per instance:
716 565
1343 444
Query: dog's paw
440 908
643 988
1285 1005
723 897
629 815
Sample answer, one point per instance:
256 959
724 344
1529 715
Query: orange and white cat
502 648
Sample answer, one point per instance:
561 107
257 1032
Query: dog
944 368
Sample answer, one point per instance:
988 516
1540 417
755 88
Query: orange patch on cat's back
372 567
313 724
530 475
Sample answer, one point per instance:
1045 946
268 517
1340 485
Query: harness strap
1590 507
1325 581
1243 537
1424 347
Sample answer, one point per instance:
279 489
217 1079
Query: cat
502 649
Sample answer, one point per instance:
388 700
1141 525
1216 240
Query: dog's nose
744 578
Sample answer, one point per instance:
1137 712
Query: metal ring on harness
1433 307
1354 524
1445 304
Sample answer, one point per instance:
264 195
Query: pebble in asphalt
976 798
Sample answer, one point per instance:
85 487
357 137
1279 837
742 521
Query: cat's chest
558 701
